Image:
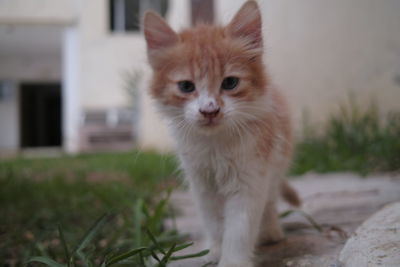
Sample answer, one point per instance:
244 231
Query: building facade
73 73
68 71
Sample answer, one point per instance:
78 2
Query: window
125 15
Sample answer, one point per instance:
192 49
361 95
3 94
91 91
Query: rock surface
337 203
376 242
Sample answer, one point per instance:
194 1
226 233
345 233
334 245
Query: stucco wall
9 139
107 56
38 11
106 59
319 51
30 68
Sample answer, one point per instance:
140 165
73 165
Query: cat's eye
186 86
230 83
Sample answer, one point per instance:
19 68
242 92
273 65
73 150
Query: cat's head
207 77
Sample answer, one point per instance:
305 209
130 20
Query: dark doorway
40 113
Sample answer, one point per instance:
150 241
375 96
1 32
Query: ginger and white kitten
231 127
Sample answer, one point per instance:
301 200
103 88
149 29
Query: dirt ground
337 203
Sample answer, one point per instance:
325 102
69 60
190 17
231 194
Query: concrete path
338 203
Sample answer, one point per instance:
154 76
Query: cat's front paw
271 236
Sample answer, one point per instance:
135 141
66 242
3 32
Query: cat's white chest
220 165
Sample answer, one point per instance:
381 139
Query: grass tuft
357 140
133 257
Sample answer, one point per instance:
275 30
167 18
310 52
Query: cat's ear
157 32
247 25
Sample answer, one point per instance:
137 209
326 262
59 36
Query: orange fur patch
205 52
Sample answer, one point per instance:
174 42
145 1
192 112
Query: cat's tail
290 195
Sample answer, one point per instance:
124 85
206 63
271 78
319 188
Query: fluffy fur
234 145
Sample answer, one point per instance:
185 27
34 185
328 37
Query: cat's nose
209 113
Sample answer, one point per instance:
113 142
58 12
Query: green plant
354 139
154 251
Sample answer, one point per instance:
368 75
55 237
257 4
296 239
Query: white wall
38 11
108 56
320 50
30 52
30 68
226 9
9 127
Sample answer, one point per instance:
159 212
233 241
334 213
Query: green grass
37 195
356 140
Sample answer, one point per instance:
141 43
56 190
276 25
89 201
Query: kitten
231 126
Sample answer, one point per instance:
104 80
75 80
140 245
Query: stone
376 242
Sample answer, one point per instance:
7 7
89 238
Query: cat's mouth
210 122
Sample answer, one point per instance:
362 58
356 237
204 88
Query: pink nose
209 113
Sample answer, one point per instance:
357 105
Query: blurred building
69 70
73 73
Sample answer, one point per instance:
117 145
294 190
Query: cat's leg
271 230
243 214
209 206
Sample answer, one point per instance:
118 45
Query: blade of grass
305 215
311 221
125 255
154 240
90 234
154 255
173 217
141 257
188 256
183 246
165 259
47 261
170 237
84 259
286 213
64 244
145 210
156 219
137 224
